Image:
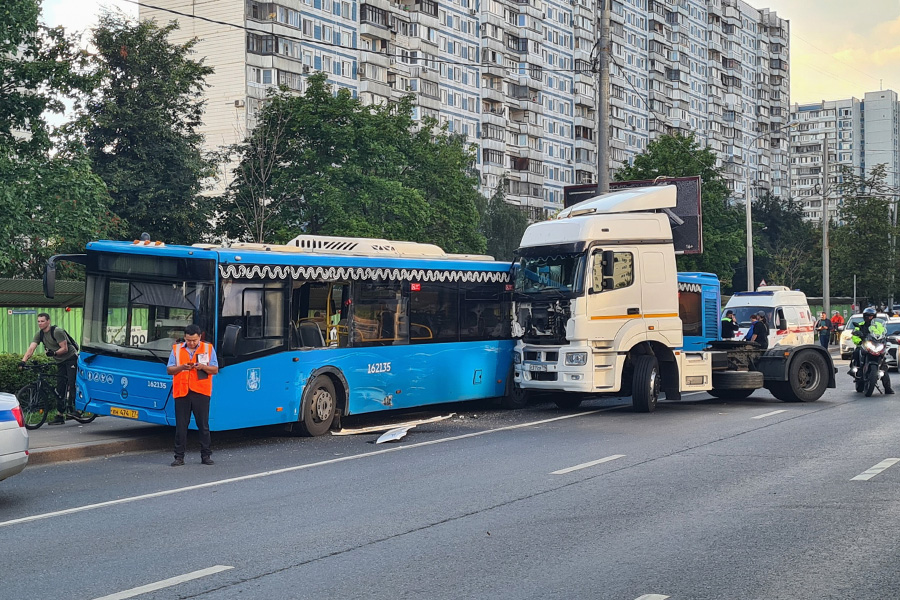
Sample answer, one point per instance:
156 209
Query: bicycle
35 399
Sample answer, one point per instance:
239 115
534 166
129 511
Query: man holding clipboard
192 365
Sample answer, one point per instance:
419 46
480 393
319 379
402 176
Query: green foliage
51 205
140 129
322 163
723 237
862 244
12 378
38 66
787 249
502 224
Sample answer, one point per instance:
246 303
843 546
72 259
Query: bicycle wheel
34 410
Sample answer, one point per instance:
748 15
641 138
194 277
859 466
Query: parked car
13 437
893 341
846 344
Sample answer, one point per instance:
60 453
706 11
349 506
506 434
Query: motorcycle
872 366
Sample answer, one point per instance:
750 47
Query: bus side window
379 316
690 310
259 308
483 313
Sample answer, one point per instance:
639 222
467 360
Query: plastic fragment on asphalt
394 435
389 426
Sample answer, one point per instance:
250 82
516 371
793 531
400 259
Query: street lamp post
747 209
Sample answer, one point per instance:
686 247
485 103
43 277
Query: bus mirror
229 341
609 265
50 279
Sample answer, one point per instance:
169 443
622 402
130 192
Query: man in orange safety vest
192 364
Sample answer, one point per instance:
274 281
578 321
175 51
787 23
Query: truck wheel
731 394
645 384
737 380
515 397
807 378
318 407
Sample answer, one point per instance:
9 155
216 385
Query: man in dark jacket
729 325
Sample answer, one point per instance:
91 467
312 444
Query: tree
341 168
502 224
38 66
862 244
786 246
723 223
140 129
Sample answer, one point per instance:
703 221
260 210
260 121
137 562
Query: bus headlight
576 359
517 358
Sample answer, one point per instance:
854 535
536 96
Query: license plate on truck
537 367
123 412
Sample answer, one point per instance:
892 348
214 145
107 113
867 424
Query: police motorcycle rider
860 332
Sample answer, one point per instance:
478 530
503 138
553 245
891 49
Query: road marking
652 597
172 581
200 486
870 473
769 414
587 464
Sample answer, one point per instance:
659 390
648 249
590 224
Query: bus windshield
561 272
142 318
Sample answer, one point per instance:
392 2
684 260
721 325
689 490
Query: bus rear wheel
318 407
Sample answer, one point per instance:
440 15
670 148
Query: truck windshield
560 272
141 318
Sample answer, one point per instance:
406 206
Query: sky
839 48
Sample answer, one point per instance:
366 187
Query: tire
781 390
34 410
737 380
731 394
871 380
568 401
515 397
807 377
318 407
645 384
860 384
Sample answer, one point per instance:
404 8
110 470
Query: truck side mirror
609 283
230 339
609 264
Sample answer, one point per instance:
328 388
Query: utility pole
826 254
603 102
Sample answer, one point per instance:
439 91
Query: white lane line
587 464
769 414
172 581
870 473
652 597
200 486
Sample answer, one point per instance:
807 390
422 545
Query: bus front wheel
318 408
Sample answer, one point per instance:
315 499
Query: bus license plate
537 367
123 412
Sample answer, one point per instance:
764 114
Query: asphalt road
702 499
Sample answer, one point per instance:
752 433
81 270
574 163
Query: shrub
11 378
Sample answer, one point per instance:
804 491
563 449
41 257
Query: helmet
869 312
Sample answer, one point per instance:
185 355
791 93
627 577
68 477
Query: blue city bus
699 301
305 333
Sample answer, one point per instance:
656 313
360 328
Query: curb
43 456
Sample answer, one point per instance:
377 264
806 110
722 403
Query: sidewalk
105 436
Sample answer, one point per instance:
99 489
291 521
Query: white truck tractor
597 310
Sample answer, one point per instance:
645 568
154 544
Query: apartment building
516 77
860 134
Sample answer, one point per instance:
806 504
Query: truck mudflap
776 364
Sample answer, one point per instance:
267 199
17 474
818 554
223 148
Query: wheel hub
323 404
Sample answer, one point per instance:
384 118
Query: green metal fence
19 324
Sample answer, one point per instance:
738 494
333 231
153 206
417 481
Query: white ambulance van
790 321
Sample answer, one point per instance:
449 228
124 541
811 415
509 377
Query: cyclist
57 346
